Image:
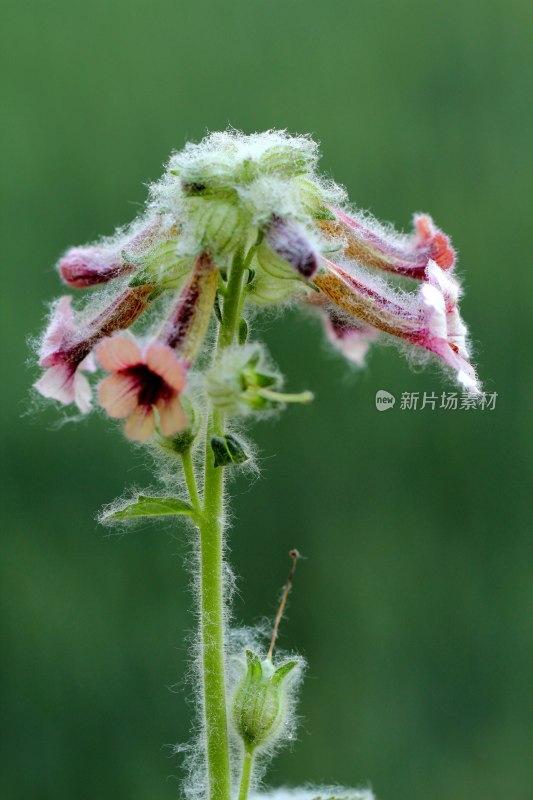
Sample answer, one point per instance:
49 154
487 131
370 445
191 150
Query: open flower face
143 383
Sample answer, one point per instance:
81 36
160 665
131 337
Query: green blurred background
415 605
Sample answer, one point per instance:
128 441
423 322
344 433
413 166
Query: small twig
295 556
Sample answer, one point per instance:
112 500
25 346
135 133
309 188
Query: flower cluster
257 198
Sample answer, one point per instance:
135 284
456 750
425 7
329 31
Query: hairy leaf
151 507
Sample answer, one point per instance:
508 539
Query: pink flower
64 379
92 265
351 339
142 381
447 331
428 319
374 246
81 267
67 345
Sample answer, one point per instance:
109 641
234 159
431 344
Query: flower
259 706
351 339
143 380
372 245
258 202
68 343
440 296
81 267
288 240
185 327
64 379
428 319
139 248
242 381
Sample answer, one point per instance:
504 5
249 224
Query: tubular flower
371 245
186 326
142 381
67 345
92 265
428 319
82 267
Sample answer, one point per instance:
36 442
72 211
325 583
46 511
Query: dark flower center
149 386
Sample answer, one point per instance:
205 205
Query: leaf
151 507
228 450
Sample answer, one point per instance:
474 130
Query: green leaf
228 450
152 507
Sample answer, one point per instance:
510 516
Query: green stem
212 629
190 480
212 583
232 302
246 774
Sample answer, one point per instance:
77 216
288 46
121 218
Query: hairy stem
246 774
212 582
190 480
212 629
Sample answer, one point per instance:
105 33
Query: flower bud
186 326
260 701
241 382
237 381
287 239
228 450
82 267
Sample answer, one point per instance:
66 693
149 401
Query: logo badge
384 400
